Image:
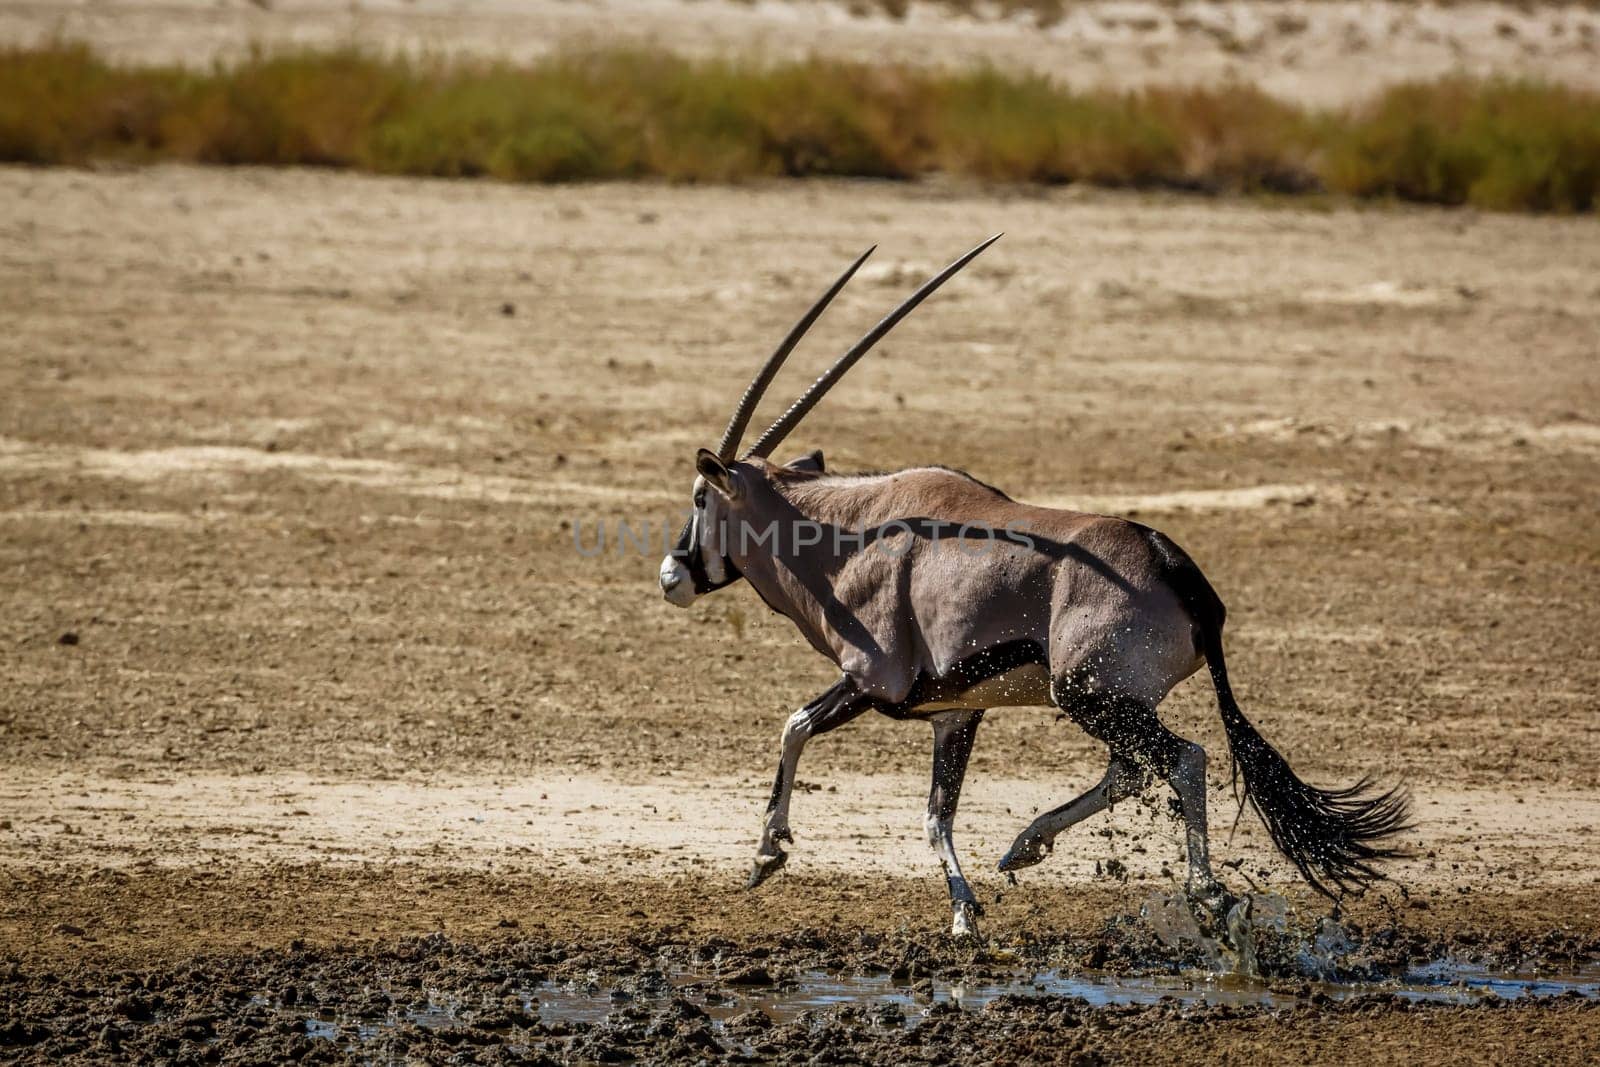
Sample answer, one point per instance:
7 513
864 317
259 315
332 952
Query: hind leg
1122 780
1132 730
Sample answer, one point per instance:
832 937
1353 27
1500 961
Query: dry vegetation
1045 13
633 114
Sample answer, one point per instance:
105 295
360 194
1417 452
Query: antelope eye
700 499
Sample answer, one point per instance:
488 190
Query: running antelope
1099 617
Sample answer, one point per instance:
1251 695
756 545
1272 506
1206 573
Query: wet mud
861 997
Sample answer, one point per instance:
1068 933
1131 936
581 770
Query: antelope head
699 562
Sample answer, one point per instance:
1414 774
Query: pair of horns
808 400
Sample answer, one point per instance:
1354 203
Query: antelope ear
811 462
714 471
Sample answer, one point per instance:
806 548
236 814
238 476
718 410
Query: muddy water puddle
897 1003
1250 954
1444 981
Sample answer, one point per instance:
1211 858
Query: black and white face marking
696 565
699 563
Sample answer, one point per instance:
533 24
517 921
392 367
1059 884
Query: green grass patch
638 114
1506 146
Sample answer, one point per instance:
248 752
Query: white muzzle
677 585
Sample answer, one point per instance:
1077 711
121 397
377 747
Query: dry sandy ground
296 458
1317 51
587 825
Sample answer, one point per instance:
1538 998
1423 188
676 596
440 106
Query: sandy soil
1317 51
661 827
298 646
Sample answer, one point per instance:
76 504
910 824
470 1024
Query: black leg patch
975 669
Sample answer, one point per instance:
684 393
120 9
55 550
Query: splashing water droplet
1253 940
1327 949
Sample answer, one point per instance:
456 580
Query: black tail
1333 836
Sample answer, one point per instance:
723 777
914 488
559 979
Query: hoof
964 921
764 867
1212 894
1024 852
1211 902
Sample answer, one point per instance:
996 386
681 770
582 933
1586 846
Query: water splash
1329 948
1255 938
1171 918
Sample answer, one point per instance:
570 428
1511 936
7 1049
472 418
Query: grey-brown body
955 567
940 598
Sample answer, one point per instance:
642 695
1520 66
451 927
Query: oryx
939 597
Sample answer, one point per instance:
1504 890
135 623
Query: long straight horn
752 395
797 411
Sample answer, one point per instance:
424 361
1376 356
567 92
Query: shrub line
623 114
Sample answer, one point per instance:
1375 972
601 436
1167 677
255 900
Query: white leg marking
953 735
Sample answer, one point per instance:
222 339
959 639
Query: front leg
953 735
835 707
